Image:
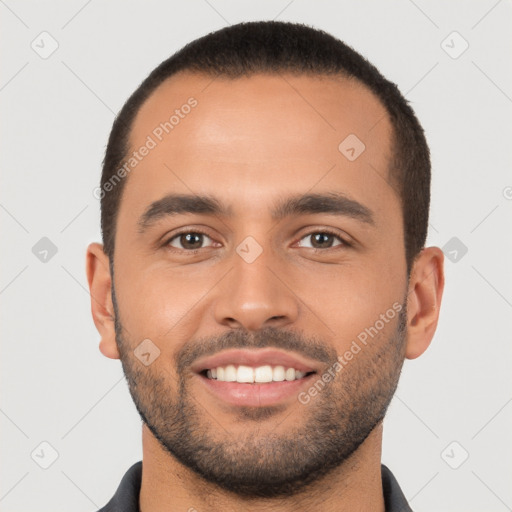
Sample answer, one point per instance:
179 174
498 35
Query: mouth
255 377
259 375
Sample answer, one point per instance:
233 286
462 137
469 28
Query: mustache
268 337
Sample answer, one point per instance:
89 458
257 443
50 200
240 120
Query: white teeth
263 374
230 373
278 373
245 374
260 374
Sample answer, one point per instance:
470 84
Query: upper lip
255 358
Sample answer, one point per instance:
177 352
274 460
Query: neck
169 486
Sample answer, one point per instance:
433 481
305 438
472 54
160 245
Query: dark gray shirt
126 498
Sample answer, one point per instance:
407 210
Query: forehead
248 139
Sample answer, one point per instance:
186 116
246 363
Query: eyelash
344 243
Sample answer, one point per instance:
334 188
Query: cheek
160 303
349 302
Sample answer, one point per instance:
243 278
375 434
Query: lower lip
256 395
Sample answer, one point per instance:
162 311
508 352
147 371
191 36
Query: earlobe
102 309
426 286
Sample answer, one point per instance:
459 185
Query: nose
256 295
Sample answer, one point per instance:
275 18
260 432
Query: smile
250 375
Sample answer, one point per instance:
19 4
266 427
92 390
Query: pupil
186 240
321 239
320 235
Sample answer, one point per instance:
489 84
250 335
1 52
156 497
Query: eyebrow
332 203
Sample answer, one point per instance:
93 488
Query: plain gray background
453 402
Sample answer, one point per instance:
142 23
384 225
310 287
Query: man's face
312 284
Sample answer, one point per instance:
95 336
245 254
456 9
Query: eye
324 240
193 240
188 240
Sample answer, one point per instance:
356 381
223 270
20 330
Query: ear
102 308
426 286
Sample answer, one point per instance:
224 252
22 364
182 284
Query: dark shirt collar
126 498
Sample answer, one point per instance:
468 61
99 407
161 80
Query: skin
250 142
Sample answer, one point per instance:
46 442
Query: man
265 197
